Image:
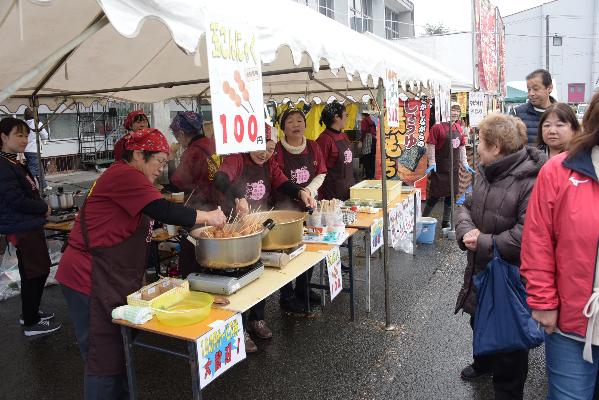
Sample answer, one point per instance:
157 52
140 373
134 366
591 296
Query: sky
456 14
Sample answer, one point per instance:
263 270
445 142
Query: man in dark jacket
539 86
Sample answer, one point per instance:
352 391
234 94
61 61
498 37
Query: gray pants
95 387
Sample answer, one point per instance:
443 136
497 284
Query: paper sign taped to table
376 235
235 72
220 349
333 259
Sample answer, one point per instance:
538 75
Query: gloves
469 168
432 168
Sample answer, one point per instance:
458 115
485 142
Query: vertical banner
334 270
406 145
486 43
235 73
220 349
462 99
476 108
392 99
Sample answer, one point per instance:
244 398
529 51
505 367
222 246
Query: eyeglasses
162 161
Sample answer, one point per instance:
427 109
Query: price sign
476 107
235 73
220 349
334 269
376 235
392 98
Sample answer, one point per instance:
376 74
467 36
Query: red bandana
131 116
149 139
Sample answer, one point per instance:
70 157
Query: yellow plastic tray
193 308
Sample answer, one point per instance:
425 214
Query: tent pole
52 59
451 163
312 78
36 124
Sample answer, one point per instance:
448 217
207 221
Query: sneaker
250 346
41 328
469 373
43 317
48 188
260 329
292 305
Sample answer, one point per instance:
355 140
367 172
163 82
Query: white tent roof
150 42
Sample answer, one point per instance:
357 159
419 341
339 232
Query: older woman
557 126
495 211
301 160
135 121
559 262
336 149
106 254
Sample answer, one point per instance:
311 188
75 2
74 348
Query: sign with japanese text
392 99
476 108
376 235
220 349
487 45
333 260
235 73
393 227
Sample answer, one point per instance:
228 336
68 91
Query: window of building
360 12
327 8
391 24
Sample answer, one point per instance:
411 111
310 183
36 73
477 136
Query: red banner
486 43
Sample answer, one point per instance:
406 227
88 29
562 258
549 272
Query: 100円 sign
235 72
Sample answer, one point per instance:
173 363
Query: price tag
334 269
376 235
392 99
235 72
220 349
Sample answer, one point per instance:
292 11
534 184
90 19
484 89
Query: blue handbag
502 321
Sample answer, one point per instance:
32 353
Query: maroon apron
341 177
254 181
117 271
202 198
440 181
300 169
32 248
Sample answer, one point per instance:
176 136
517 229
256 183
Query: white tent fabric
162 42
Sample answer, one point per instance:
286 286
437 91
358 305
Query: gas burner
224 281
62 215
231 272
282 257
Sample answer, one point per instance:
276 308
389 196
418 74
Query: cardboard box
371 190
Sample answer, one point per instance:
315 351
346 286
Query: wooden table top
65 226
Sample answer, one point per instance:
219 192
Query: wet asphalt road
323 357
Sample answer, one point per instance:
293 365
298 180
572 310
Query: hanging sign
235 73
392 99
476 108
334 269
220 349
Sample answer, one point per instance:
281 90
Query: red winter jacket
560 239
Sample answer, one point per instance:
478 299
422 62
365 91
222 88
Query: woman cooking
194 175
335 147
22 216
135 121
106 255
302 161
248 180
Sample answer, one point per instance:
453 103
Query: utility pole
547 42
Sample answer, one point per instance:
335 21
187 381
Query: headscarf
187 122
148 139
131 117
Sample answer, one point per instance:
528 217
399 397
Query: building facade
390 19
561 36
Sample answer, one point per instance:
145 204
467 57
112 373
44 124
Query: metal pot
54 201
66 200
288 230
225 253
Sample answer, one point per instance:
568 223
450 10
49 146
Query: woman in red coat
560 262
336 149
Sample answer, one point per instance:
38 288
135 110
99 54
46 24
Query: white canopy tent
152 51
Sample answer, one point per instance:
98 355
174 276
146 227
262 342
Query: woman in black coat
22 217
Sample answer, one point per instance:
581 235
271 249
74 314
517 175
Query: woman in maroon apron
247 181
135 121
106 255
22 216
194 175
438 151
301 160
335 147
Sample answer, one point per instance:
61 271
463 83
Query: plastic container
193 308
429 226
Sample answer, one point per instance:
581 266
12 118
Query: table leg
322 291
414 233
367 237
128 343
352 298
195 371
306 291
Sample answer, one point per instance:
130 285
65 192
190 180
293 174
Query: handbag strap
496 253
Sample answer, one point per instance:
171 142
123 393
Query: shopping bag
502 321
